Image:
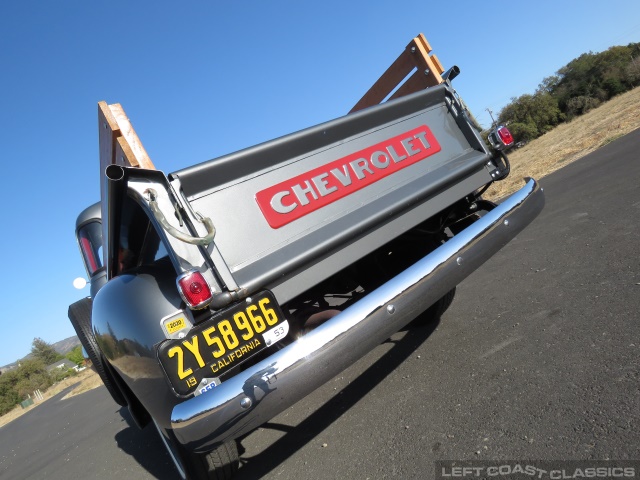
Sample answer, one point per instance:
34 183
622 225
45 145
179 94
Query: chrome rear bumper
256 395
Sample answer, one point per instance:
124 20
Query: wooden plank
114 146
415 55
422 40
417 81
123 155
140 156
425 62
436 62
108 131
389 80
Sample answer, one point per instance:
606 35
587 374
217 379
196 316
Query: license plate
223 342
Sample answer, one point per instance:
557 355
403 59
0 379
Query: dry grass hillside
571 141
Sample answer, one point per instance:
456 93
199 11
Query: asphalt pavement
537 358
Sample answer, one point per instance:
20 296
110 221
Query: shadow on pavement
146 448
297 437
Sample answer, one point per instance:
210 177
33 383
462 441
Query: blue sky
199 79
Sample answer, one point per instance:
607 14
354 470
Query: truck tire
80 318
219 464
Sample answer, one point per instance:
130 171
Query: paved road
538 358
84 437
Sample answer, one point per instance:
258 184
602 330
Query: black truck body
314 247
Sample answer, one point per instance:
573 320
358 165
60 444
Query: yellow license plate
223 342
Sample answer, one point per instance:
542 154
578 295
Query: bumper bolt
391 309
246 403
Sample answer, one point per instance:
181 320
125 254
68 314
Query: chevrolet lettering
287 201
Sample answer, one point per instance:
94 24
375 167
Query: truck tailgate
295 210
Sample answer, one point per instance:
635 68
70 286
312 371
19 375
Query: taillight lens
90 241
505 136
500 138
194 289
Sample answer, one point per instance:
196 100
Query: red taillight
90 240
92 263
505 136
194 289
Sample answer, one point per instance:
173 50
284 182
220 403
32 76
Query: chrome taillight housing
500 138
194 289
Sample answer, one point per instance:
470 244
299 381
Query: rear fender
127 315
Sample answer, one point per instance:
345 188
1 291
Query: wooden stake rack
120 145
417 56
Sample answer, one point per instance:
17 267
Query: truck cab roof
90 213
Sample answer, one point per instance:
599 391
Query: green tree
632 72
523 132
76 355
581 105
16 384
613 86
44 351
9 396
549 84
529 116
598 76
582 84
33 375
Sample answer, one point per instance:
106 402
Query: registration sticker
276 333
176 325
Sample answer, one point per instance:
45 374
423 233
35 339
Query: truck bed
317 200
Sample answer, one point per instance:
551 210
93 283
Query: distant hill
65 346
62 347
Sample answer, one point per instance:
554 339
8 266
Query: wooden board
416 56
118 144
136 153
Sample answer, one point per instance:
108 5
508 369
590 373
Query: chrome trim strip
244 402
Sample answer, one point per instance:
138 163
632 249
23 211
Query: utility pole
493 121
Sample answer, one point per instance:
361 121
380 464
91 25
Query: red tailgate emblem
294 198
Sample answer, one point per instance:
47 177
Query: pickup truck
223 293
